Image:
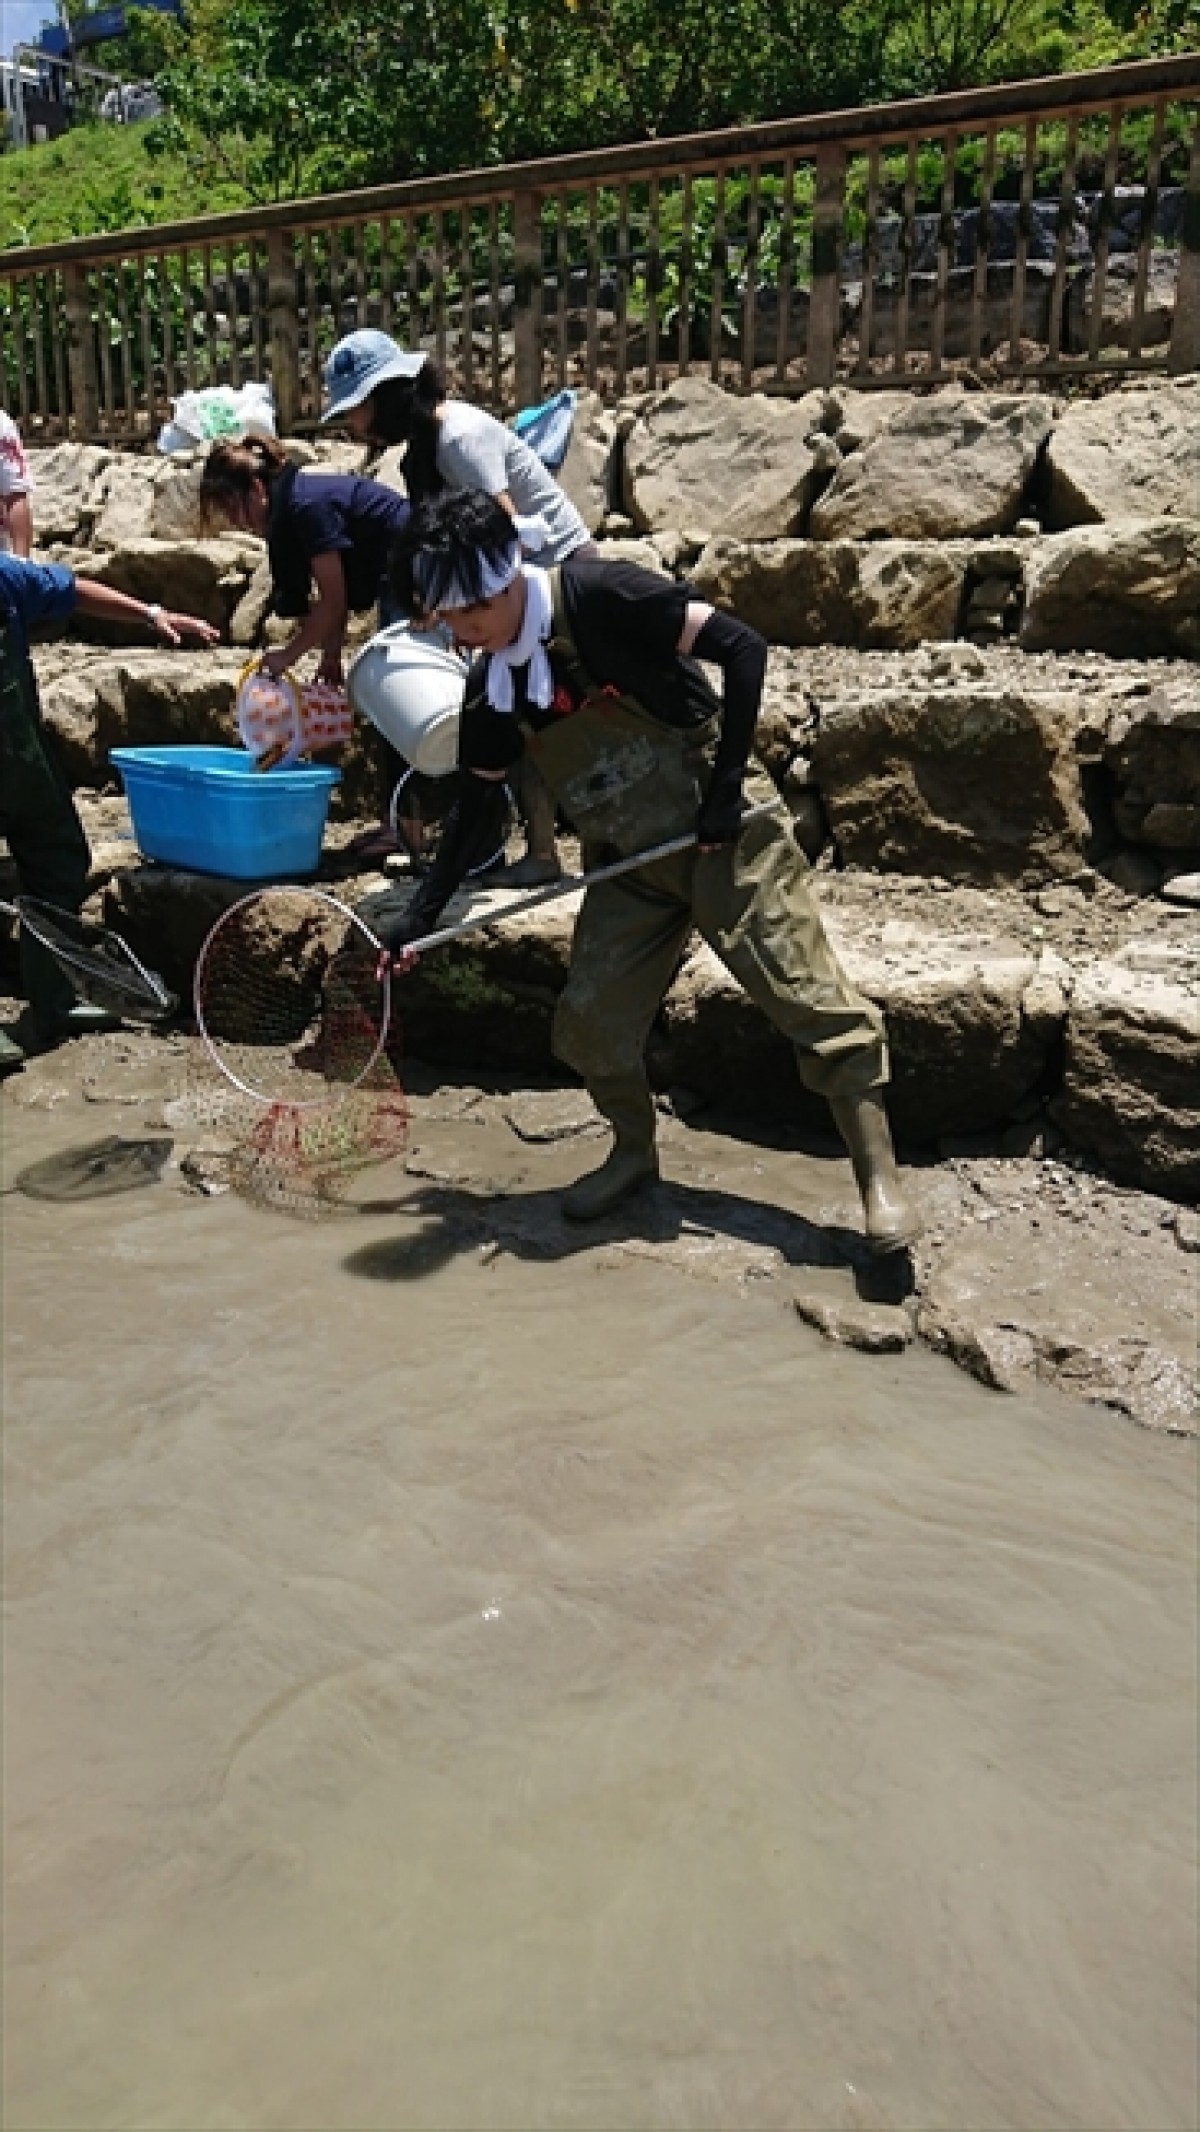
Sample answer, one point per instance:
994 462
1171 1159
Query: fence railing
1040 230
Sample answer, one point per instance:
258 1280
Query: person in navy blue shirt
38 817
331 531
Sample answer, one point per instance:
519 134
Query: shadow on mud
447 1223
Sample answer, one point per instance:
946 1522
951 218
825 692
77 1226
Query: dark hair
231 470
404 411
447 542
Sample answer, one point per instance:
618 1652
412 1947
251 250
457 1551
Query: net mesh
303 1083
102 968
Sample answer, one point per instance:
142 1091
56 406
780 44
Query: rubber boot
892 1222
632 1163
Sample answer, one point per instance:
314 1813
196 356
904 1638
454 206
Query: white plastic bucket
411 686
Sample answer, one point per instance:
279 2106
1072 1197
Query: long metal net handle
567 884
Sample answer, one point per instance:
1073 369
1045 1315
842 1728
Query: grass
99 178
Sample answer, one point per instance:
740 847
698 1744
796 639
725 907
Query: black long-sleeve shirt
625 623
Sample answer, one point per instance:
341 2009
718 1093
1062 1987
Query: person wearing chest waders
592 669
38 817
384 395
331 531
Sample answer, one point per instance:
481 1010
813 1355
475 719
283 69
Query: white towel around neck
528 649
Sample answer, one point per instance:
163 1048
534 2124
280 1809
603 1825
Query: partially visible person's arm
742 656
323 628
20 525
15 484
105 604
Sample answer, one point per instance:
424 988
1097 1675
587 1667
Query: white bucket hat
358 364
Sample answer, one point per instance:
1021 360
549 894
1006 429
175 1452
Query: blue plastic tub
209 809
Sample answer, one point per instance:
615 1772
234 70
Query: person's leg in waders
753 904
45 838
540 861
627 943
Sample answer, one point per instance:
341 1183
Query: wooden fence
1042 230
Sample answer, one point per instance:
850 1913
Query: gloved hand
399 929
719 819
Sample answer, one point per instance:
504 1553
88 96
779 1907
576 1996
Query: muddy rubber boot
891 1220
632 1163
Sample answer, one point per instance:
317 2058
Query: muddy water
444 1690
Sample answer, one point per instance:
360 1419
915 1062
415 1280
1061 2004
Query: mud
1032 1267
460 1674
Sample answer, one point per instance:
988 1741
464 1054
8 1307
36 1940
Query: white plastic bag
218 411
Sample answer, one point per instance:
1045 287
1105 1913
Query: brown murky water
490 1694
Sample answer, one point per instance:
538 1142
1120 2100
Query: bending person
385 396
592 670
331 532
38 816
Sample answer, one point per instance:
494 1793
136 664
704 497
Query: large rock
1134 454
1131 1087
1119 304
202 577
1130 588
586 472
127 509
889 595
956 464
149 499
1153 755
973 784
67 491
855 419
972 1023
249 617
175 506
963 316
701 458
1043 1273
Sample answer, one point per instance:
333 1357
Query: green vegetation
101 178
268 99
305 95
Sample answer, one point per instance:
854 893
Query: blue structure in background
100 26
47 87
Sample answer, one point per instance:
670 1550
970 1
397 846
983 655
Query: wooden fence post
1185 327
284 319
825 297
82 368
527 307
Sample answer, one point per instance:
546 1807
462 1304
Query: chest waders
39 822
627 781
